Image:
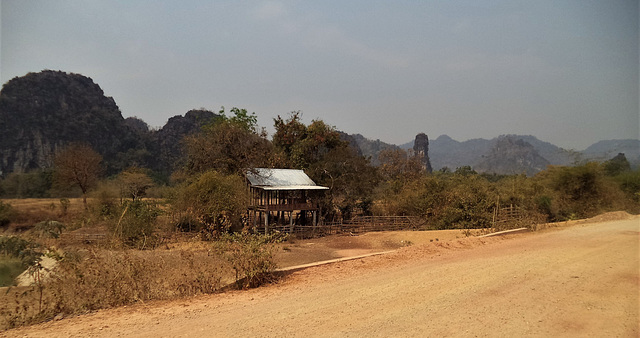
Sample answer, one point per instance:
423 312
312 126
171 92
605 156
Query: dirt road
581 280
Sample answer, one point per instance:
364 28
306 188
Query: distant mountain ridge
478 153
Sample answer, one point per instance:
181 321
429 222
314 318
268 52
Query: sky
563 71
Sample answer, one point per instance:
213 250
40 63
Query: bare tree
78 165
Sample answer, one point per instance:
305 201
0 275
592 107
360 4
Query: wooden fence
505 217
85 238
359 224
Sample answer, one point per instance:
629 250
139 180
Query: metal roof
281 179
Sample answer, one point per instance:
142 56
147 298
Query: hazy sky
564 71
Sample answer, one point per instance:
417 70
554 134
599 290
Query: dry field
572 279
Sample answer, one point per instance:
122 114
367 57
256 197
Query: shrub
49 229
135 225
250 255
214 200
10 268
28 252
7 214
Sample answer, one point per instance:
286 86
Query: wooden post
291 221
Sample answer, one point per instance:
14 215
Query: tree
351 179
229 145
135 182
397 167
77 165
305 145
328 160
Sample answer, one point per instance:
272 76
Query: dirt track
581 280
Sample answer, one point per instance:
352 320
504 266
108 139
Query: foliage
77 165
228 145
581 191
397 168
7 214
49 229
616 165
27 251
329 161
33 184
467 200
351 180
629 183
305 145
250 255
135 224
213 200
10 268
242 119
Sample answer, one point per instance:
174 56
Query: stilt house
283 198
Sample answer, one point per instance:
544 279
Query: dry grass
97 279
30 211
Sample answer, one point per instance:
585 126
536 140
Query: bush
49 229
7 214
583 191
135 224
10 268
215 201
28 252
250 255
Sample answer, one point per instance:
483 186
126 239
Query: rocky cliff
42 112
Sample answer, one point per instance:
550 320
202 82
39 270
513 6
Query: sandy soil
580 279
298 252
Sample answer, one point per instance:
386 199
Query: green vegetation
10 268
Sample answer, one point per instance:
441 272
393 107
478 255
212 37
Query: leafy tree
134 223
465 171
77 165
288 133
229 145
329 161
351 179
583 191
629 182
304 145
242 119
